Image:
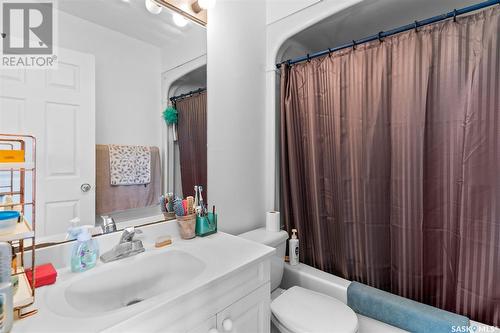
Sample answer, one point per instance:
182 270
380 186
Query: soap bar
44 275
163 241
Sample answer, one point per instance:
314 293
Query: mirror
188 95
103 147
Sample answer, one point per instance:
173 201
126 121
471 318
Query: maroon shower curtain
390 163
192 139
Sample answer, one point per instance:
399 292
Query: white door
250 314
58 108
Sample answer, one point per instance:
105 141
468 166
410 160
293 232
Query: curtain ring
380 36
289 62
329 52
308 58
454 15
353 45
416 26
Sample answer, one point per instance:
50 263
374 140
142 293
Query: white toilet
300 310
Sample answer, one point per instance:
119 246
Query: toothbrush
162 204
195 203
190 205
170 202
178 208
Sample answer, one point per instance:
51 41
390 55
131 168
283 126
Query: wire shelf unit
18 192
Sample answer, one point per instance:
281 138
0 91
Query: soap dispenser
73 229
293 248
85 251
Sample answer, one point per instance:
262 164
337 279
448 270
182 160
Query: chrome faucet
128 234
107 224
127 247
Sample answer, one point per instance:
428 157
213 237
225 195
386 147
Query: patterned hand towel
129 165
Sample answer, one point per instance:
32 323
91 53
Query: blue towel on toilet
401 312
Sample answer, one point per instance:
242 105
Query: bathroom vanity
219 283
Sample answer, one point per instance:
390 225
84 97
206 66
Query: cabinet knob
213 330
227 325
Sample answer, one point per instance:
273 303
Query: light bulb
179 20
206 4
152 7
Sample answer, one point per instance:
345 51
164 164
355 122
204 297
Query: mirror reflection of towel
129 165
111 198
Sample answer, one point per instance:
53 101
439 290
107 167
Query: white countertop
223 255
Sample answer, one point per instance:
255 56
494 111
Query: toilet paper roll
273 221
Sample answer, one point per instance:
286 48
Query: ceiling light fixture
179 20
152 7
206 4
188 9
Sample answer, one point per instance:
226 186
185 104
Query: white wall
180 54
236 36
128 84
280 9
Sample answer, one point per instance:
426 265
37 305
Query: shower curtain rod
415 25
188 94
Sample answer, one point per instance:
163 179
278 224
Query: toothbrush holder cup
187 226
206 225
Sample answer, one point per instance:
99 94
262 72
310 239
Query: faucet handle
107 224
129 233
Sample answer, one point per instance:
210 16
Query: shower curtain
192 133
390 163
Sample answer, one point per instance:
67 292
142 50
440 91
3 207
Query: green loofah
170 115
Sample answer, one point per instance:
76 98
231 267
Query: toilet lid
302 310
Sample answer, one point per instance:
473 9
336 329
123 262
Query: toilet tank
272 239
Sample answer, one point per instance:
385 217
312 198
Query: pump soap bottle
293 248
73 229
85 251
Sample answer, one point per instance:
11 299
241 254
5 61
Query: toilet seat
279 326
300 310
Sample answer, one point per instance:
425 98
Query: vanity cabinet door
208 326
250 314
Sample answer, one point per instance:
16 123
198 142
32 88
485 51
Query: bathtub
316 280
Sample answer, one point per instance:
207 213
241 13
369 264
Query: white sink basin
123 283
